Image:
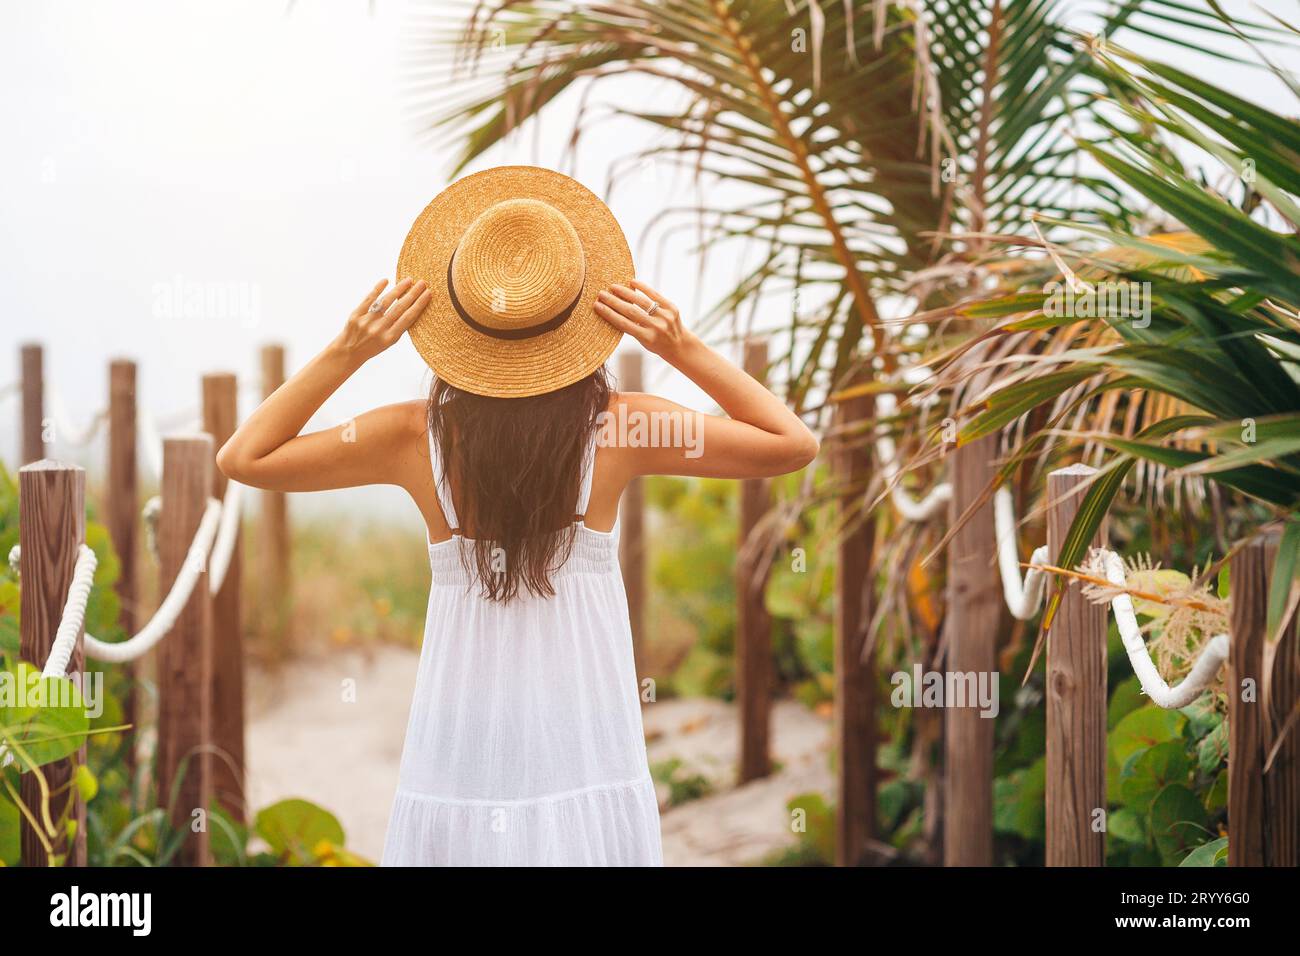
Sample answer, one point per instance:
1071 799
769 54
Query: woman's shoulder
624 402
412 416
402 419
637 427
402 428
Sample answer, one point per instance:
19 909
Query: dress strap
588 469
442 487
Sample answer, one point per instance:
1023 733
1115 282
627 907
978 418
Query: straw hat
514 258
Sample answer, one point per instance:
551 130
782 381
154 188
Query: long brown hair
516 467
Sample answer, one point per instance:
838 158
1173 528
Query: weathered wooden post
1076 699
122 514
274 579
1246 702
33 403
1282 742
51 530
220 418
855 698
631 545
971 632
185 653
1263 691
753 626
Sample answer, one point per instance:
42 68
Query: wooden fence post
1263 687
51 530
631 545
33 404
855 696
122 514
273 532
1249 581
972 622
1076 699
1282 776
185 653
753 626
220 418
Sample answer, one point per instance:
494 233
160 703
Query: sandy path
306 740
734 825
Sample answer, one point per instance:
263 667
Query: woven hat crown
515 258
519 264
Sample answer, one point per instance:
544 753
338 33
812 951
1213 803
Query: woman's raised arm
267 451
761 437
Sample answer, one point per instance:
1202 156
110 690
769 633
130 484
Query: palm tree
1209 380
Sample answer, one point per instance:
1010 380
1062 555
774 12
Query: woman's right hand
378 323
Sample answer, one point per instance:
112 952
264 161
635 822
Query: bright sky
263 152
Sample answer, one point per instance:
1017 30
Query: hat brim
514 368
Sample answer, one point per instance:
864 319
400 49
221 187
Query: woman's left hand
269 450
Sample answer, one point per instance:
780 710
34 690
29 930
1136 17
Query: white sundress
524 745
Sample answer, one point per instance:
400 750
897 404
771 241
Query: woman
524 744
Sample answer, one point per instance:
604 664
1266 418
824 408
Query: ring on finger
377 306
651 311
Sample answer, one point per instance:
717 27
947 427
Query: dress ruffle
607 825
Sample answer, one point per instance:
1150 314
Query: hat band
532 331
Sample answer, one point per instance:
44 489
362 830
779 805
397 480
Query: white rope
223 549
216 535
164 619
69 434
1023 599
70 624
74 614
908 507
1202 674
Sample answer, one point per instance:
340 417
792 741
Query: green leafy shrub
122 829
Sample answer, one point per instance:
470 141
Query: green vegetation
126 819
